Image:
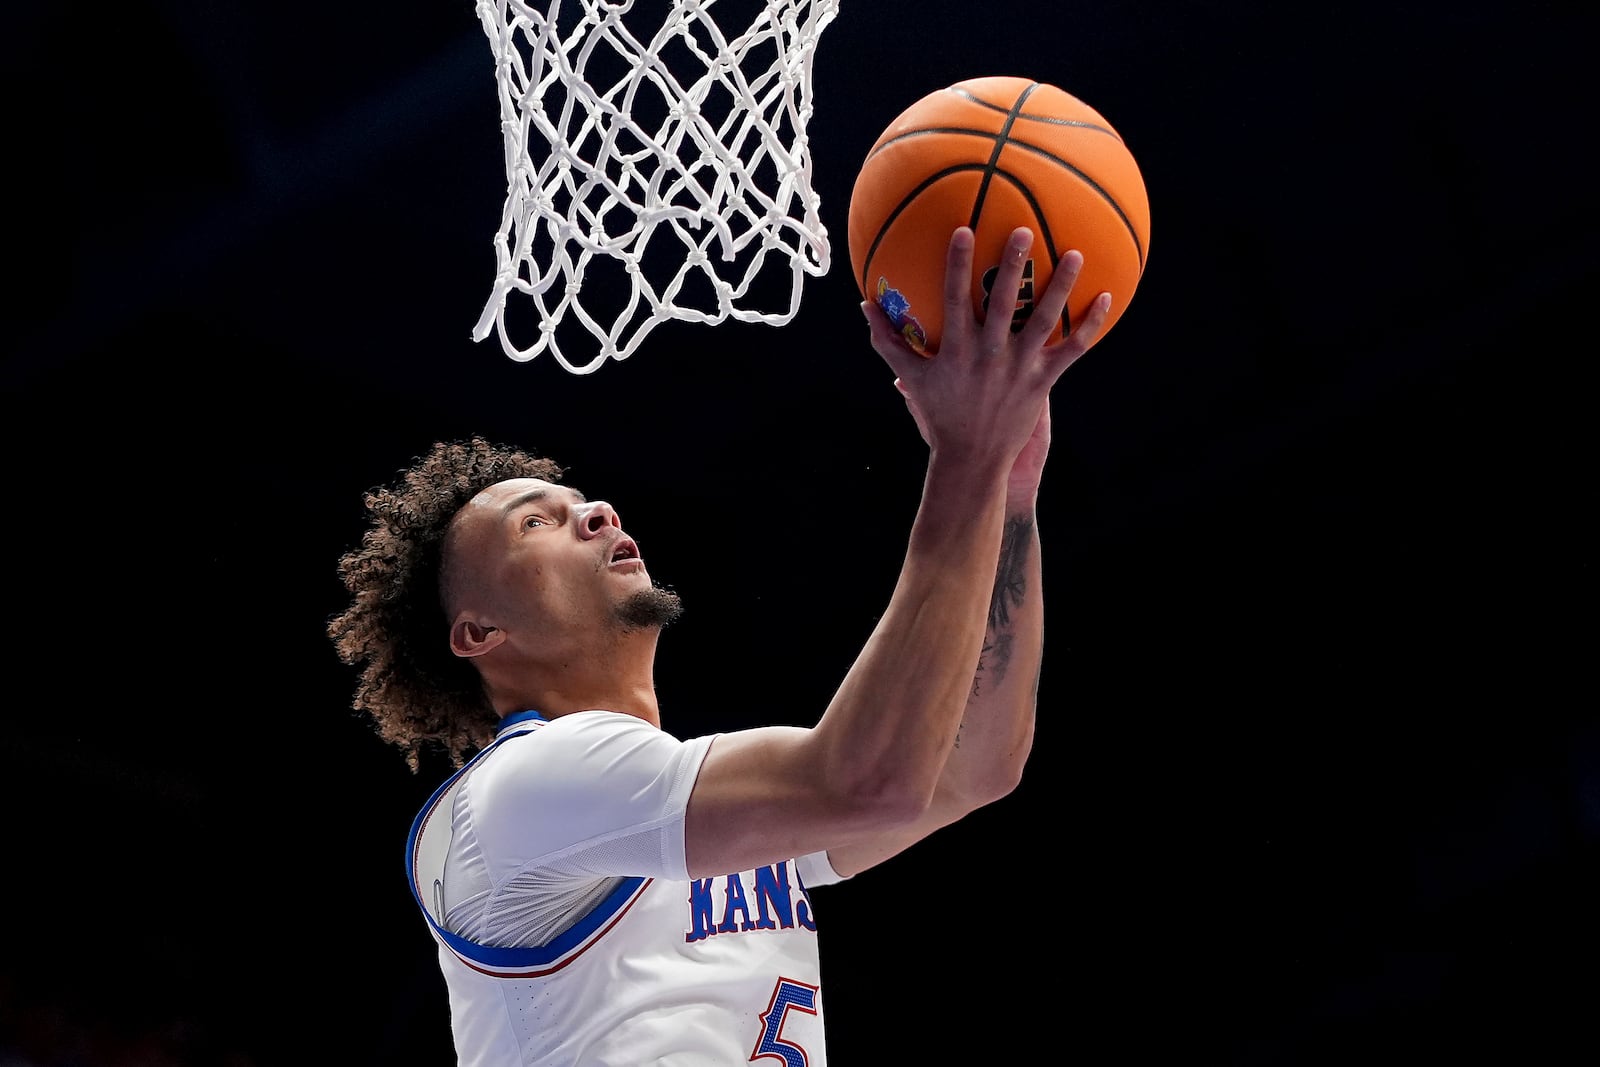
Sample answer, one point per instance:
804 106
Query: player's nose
595 516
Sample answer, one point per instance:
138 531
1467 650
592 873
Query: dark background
1317 776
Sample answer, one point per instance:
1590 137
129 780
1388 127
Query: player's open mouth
625 553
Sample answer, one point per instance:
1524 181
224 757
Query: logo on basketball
898 308
1023 307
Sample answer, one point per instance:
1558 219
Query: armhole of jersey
427 845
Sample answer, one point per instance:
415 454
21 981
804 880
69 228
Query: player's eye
533 520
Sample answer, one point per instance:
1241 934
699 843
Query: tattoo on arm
1010 586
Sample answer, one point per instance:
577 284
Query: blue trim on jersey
427 809
538 956
503 956
521 716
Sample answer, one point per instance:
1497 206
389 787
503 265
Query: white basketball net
619 134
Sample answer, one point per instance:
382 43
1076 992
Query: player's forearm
997 728
996 731
893 722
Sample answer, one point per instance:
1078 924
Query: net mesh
657 168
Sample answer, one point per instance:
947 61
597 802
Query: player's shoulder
568 751
598 719
520 728
598 727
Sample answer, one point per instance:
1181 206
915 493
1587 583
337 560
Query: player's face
547 561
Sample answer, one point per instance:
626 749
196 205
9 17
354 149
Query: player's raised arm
996 732
872 764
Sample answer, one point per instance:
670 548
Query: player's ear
469 637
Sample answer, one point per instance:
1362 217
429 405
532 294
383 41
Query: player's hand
986 388
1022 483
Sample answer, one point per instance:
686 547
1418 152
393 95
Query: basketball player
604 892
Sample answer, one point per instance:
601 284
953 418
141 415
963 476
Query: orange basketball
995 154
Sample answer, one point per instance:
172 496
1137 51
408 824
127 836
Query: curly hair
417 692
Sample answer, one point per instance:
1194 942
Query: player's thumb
887 342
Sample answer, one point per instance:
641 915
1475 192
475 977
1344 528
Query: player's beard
653 607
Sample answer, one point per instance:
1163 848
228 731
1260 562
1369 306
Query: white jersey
552 874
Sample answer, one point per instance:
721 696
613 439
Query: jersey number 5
788 995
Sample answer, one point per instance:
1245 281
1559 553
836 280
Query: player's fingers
958 277
1091 327
1084 333
1003 291
888 341
1051 304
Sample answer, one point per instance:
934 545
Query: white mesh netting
655 164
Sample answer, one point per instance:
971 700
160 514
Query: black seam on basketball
968 94
1050 119
1133 233
999 146
1138 246
1038 213
910 134
899 209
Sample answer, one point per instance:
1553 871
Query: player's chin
652 607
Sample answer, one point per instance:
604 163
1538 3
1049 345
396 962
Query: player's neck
638 701
624 683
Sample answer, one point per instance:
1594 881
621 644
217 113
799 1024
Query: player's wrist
1022 483
1021 497
971 468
